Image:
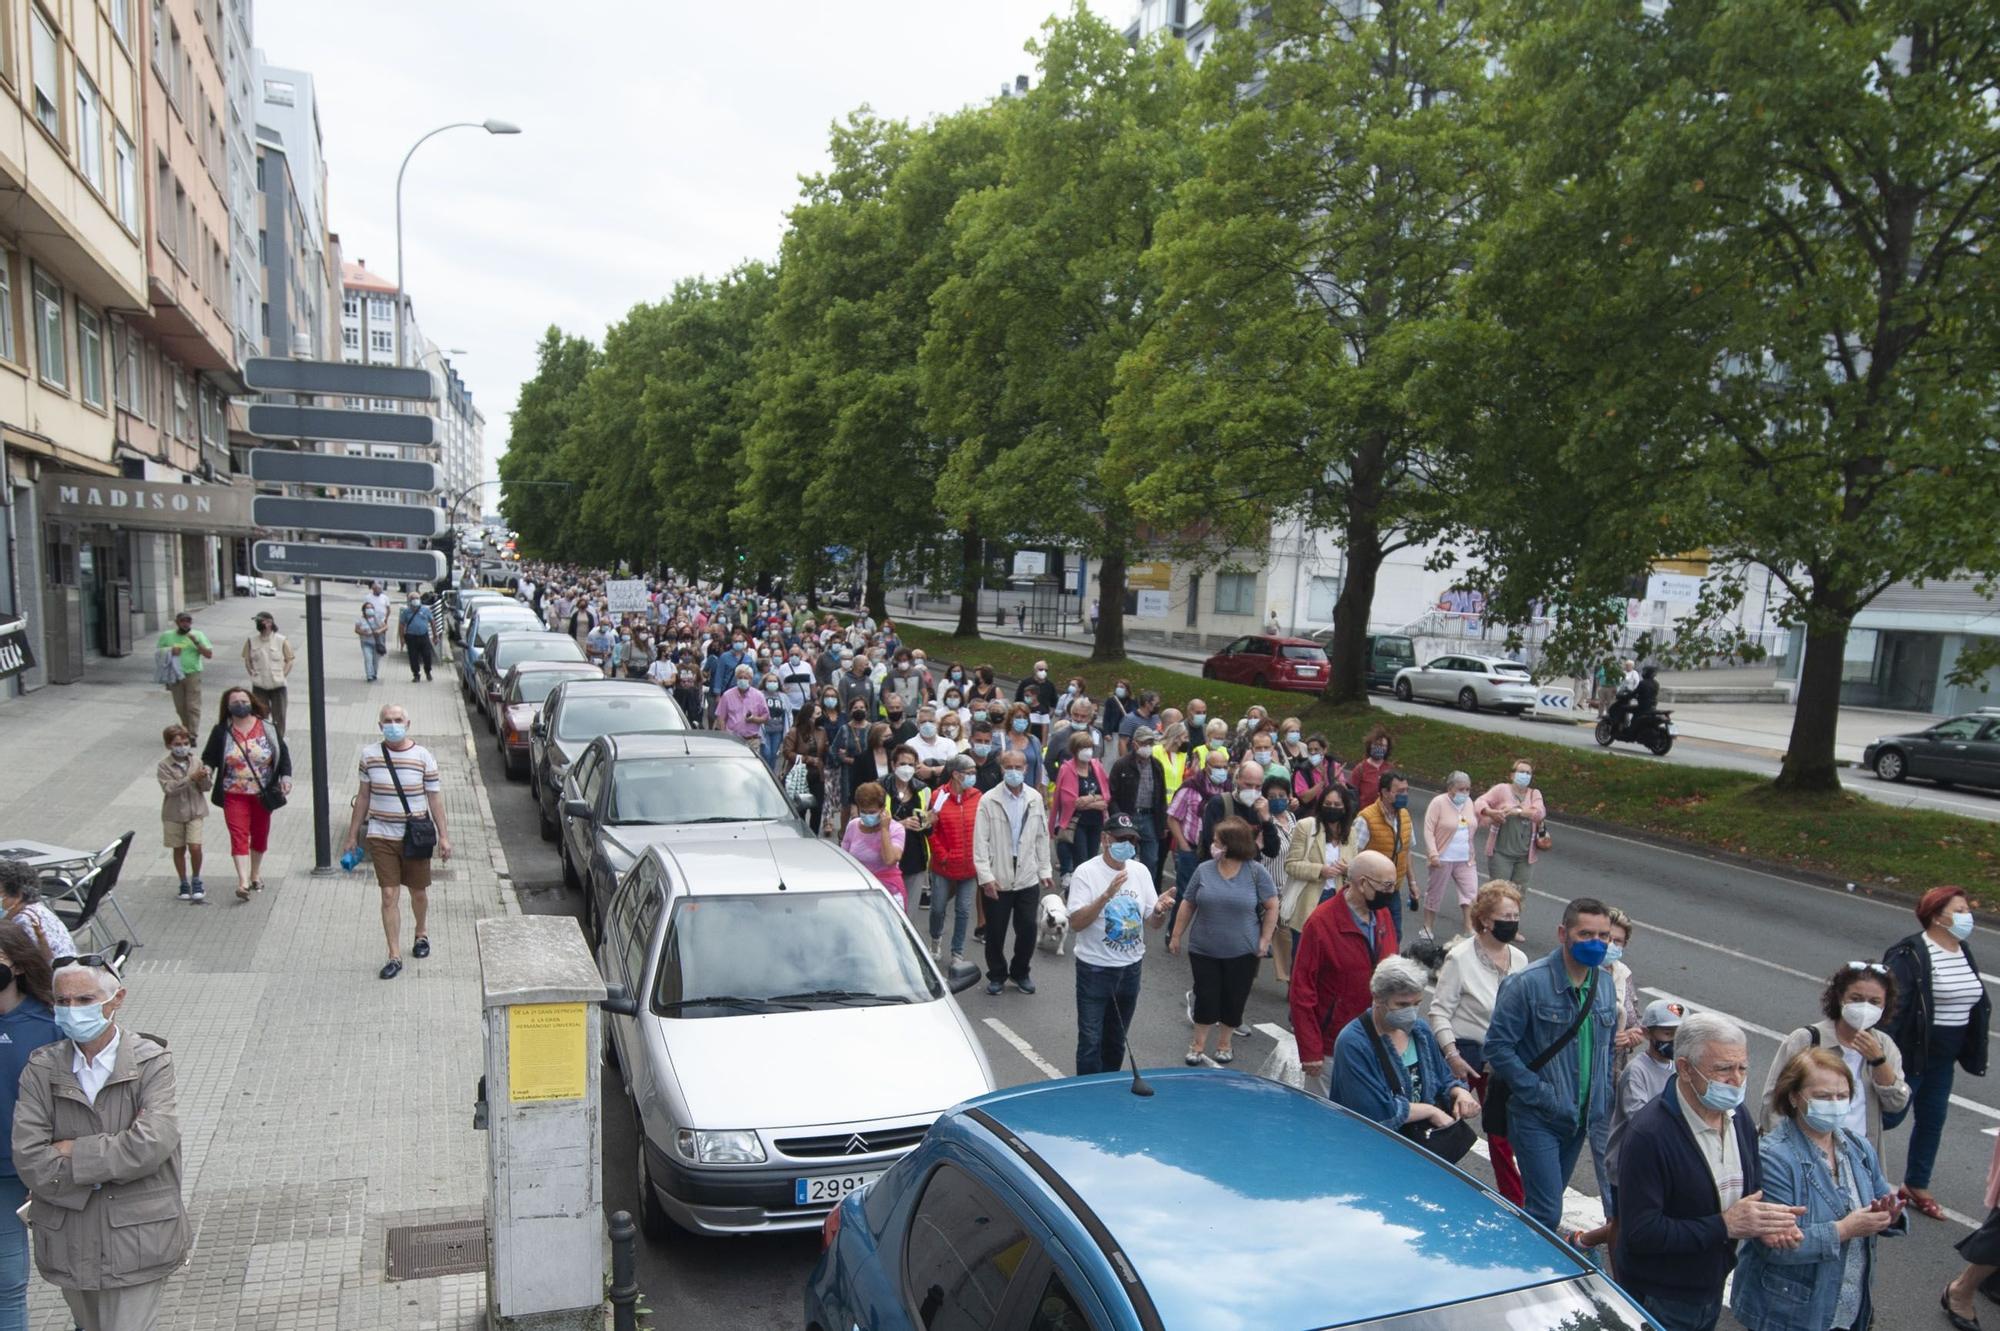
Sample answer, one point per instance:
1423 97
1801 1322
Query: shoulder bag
1447 1144
1493 1117
419 834
268 793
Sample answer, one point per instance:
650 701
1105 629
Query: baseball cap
1120 827
1145 735
1661 1012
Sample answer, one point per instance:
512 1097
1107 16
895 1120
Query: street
1756 946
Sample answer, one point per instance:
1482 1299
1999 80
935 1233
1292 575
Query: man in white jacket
1012 860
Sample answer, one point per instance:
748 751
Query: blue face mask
1589 951
82 1023
1613 952
981 750
1401 801
1826 1115
1722 1097
871 819
394 731
1458 800
928 730
1014 777
1196 720
1123 850
1020 725
1279 804
1961 925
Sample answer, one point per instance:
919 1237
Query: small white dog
1053 923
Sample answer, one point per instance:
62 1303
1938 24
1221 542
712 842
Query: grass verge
1860 840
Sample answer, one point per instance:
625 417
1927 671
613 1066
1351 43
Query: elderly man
1690 1184
98 1146
399 786
1013 861
1346 937
742 711
1139 791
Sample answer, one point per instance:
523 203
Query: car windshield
618 714
512 652
490 625
534 686
785 950
1297 653
695 790
1508 668
1589 1304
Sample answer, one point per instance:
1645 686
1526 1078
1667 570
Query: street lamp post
491 127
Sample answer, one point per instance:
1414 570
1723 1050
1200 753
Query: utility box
545 1236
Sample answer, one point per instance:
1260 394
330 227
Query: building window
350 305
280 93
90 356
381 339
47 74
49 360
125 173
163 210
121 21
8 348
1235 593
160 37
182 427
378 308
124 365
1321 596
89 132
351 338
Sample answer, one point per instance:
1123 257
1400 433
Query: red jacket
952 812
1331 968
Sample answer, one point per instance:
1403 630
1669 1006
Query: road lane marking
1701 942
1023 1048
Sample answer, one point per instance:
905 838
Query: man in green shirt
194 648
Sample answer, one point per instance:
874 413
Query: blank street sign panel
366 427
337 515
296 468
332 378
358 563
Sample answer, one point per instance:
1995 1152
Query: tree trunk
1347 680
1110 606
971 570
874 593
1809 753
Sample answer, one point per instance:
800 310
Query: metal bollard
624 1272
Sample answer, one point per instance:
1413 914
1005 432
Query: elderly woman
1462 1007
1513 813
21 901
1390 1039
876 839
1448 827
1940 1026
1810 1159
1854 1003
1227 913
1076 813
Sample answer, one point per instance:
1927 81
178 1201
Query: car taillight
829 1228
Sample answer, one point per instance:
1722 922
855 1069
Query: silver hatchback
790 1038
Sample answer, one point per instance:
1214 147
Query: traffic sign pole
316 704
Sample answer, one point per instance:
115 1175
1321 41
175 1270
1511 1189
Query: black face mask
1504 931
1665 1049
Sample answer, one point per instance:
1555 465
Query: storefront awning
147 505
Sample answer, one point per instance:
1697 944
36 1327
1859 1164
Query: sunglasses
1873 966
97 959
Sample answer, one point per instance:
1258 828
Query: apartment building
300 285
369 311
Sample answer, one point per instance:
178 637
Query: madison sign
161 505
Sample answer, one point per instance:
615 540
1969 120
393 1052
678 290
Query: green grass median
1837 834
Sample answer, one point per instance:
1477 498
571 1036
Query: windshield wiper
841 995
725 1000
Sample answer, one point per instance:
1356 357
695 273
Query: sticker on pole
545 1052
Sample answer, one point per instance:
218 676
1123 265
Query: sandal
1922 1205
256 885
1192 1058
1225 1055
242 892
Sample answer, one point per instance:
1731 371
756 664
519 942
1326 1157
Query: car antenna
1140 1086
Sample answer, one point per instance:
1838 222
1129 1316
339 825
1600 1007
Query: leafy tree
1750 270
1343 174
603 449
542 513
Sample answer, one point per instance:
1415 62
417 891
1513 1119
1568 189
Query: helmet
1647 672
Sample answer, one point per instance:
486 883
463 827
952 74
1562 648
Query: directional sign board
270 421
332 378
357 563
334 515
287 467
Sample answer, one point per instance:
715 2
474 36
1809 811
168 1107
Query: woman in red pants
255 776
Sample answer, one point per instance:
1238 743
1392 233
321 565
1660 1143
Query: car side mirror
619 1003
962 976
537 731
577 809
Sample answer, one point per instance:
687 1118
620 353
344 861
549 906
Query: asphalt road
1754 945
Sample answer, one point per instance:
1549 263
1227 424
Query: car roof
524 634
675 744
586 685
748 866
1218 1163
1283 641
569 667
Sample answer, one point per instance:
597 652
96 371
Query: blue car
1221 1201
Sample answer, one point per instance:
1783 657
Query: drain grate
453 1247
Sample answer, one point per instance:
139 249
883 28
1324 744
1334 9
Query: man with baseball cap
193 647
1112 903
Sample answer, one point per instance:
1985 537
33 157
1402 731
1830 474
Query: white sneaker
958 958
937 949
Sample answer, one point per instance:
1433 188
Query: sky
661 139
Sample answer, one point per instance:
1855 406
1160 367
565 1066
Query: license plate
827 1189
1672 730
1307 670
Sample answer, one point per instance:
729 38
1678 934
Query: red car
521 696
1298 665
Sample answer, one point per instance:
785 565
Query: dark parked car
1298 665
1964 749
577 712
507 649
522 694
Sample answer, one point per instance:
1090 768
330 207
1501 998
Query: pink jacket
1063 807
1441 823
1492 809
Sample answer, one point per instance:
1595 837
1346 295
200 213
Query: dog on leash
1052 923
1428 953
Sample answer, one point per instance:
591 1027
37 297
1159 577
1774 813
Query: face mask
1505 931
895 715
1119 691
1826 1115
1262 757
1459 800
687 679
1279 804
966 780
1218 775
770 686
181 750
83 1023
1722 1097
871 819
1291 737
1377 751
1382 898
1401 801
241 708
394 731
1589 951
1083 755
742 686
1861 1016
904 772
1665 1049
1143 750
1523 778
958 674
1021 728
1401 1018
1014 777
1613 952
831 704
1123 851
978 714
1961 925
1041 674
857 719
1196 720
982 750
1315 758
928 730
1248 794
1218 852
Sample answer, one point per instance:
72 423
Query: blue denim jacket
1531 1013
1358 1083
1796 1290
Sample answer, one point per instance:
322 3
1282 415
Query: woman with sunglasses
1857 1001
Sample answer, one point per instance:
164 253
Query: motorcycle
1655 730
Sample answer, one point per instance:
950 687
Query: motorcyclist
1645 699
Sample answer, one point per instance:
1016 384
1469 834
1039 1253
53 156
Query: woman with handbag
1462 1008
1076 814
402 805
1516 818
803 758
256 777
1387 1066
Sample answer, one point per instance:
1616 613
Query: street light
491 127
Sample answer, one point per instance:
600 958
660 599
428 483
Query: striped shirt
418 773
1954 988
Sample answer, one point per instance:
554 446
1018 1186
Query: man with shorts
399 785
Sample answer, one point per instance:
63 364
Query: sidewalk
319 1106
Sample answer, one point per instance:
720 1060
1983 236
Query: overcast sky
662 139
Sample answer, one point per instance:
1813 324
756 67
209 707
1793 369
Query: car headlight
739 1147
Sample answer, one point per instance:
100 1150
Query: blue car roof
1243 1203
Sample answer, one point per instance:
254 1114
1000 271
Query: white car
1471 682
248 584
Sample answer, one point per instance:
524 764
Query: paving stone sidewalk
319 1106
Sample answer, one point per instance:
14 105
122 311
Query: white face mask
1861 1016
1083 755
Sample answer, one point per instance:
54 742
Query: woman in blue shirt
26 1024
1425 1090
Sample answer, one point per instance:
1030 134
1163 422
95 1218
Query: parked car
577 712
522 694
507 649
1388 655
1295 664
480 625
249 584
460 603
1077 1204
1964 749
628 792
1472 682
791 1040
